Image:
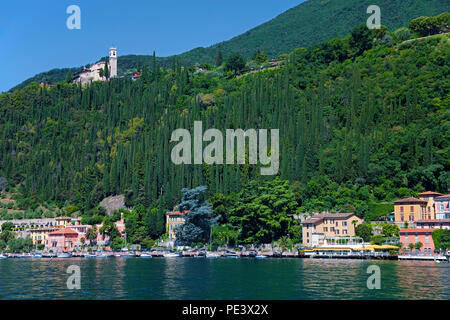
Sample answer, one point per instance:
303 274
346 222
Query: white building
93 72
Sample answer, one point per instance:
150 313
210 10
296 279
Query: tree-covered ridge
307 24
358 124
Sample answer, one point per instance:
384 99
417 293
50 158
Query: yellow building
174 219
40 235
410 210
63 222
326 225
429 196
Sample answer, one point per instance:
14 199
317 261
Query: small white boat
37 255
146 255
3 256
213 255
89 255
64 255
128 255
171 255
232 254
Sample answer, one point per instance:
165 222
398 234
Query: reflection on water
200 278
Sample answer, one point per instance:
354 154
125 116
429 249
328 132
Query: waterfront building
317 229
63 238
442 204
40 235
416 235
174 219
410 210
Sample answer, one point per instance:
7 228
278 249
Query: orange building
410 210
174 219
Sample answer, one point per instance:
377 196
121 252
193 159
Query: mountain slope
309 23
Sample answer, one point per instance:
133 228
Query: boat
90 255
37 255
260 256
212 255
171 255
231 254
252 254
146 255
25 255
3 256
201 254
49 255
64 255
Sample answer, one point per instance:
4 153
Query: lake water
221 278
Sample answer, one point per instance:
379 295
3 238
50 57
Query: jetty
423 257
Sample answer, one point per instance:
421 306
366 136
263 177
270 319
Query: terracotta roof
177 213
410 200
430 193
417 230
446 196
63 231
321 216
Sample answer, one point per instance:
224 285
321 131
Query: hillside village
356 150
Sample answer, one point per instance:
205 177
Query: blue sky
34 37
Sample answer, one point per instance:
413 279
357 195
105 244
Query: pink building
67 238
63 239
415 235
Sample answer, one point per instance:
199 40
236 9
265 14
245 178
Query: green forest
307 24
363 120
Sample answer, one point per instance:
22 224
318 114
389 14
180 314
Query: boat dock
423 258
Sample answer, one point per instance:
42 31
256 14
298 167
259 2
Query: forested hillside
362 119
305 25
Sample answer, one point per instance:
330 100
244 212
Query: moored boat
231 254
213 255
64 255
3 256
171 255
146 255
260 256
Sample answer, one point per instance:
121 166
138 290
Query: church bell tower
112 62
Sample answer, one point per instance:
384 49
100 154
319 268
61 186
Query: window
411 208
337 223
332 229
411 217
344 231
401 209
325 229
344 223
406 237
337 231
402 218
